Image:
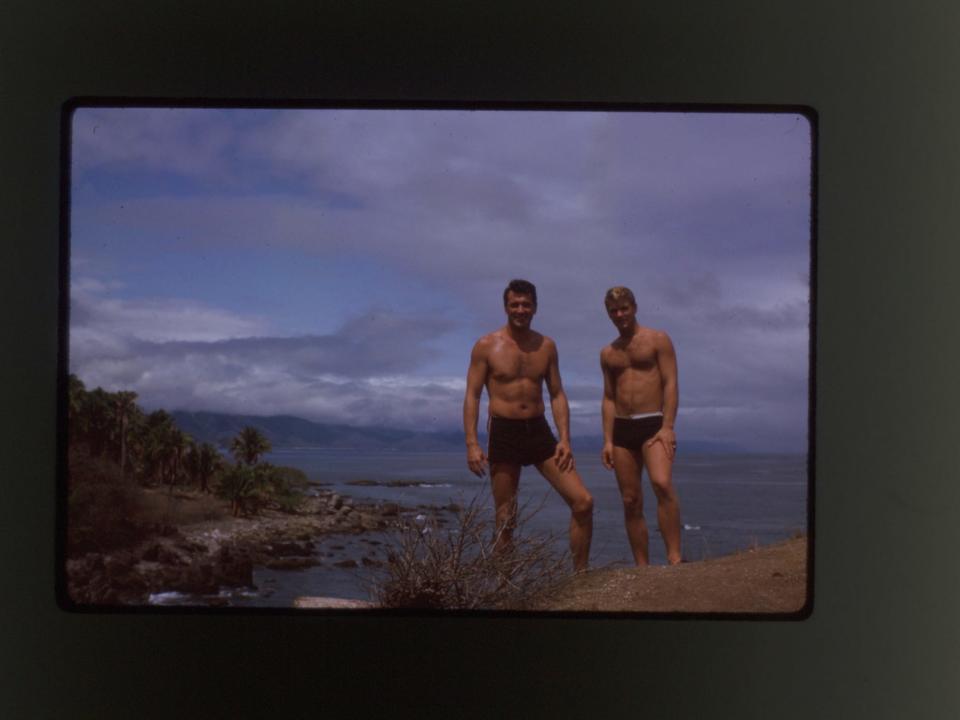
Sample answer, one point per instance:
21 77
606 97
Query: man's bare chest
640 356
511 364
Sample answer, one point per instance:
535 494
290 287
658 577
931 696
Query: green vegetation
249 445
115 450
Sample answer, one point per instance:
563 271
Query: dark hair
521 287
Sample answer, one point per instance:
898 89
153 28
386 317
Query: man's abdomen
638 392
519 399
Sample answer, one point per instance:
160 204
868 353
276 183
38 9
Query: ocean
727 503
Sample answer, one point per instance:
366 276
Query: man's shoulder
546 343
618 345
653 334
660 337
484 343
490 340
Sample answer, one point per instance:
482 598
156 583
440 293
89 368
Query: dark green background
883 638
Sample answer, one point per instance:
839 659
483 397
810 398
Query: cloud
187 142
705 216
186 356
95 314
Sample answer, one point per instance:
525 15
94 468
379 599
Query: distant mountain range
289 431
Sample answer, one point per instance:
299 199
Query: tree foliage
114 446
147 448
249 445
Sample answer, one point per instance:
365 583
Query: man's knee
582 507
632 503
663 489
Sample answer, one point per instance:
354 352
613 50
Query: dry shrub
457 569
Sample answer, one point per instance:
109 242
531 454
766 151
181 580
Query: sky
338 265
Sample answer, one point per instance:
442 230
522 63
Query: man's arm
667 364
608 410
476 376
561 411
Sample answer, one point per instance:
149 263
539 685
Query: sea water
727 503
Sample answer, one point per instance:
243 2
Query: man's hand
606 455
564 457
476 460
667 438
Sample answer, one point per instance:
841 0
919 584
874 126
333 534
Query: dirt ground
183 507
770 579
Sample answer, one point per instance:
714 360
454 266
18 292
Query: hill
291 431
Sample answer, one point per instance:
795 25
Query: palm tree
202 462
157 431
249 445
177 443
99 421
76 396
124 403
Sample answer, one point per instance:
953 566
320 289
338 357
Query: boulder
369 522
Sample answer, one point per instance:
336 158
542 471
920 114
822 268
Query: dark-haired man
640 398
513 363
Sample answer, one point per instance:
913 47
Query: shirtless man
513 363
639 409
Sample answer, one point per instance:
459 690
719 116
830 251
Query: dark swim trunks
520 442
632 433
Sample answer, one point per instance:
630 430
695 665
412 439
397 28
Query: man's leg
628 467
660 470
504 481
580 502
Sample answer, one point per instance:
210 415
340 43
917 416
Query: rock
198 579
287 549
169 555
291 563
369 522
390 510
152 553
328 602
235 568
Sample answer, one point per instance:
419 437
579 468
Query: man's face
622 313
520 310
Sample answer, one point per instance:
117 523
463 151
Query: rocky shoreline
205 558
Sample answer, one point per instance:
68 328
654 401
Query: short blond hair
619 293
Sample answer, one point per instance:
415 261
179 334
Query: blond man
640 397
